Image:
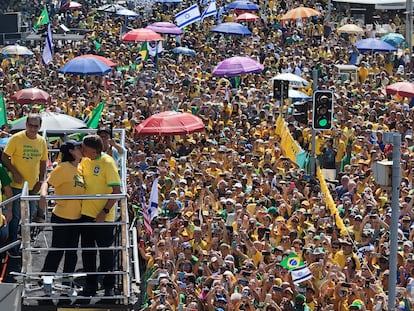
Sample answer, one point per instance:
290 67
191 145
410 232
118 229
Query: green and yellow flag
95 116
292 261
43 19
3 112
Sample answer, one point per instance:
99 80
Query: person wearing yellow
25 157
363 73
101 177
66 180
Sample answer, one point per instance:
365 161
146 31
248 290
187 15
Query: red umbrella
170 123
247 17
30 96
141 35
71 5
101 58
404 89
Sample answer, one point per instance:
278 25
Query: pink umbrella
141 35
170 123
101 58
30 96
404 89
71 5
247 17
238 65
165 28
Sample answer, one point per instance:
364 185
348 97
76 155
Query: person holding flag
43 19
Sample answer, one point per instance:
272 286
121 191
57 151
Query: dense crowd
236 214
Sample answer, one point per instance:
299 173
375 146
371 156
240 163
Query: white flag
154 48
301 274
188 16
211 10
47 56
153 206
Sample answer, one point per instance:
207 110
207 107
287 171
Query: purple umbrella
237 65
165 28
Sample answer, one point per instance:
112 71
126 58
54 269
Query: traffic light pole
313 142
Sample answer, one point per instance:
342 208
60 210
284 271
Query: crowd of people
236 214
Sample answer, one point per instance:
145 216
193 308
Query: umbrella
85 66
170 123
16 50
73 5
232 29
404 89
300 12
395 39
376 45
350 28
141 35
31 95
101 58
184 50
243 5
165 28
247 17
298 95
51 121
168 1
292 78
126 12
111 8
237 65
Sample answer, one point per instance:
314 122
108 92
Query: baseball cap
69 145
103 130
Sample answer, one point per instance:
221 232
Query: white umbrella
292 78
295 94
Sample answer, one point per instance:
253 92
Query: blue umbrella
374 45
184 50
243 5
298 95
232 29
85 66
126 12
395 39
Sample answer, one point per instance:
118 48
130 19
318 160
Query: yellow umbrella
350 28
300 12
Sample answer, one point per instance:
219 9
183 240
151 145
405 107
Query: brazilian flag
292 261
43 19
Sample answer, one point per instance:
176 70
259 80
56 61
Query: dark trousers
101 236
63 237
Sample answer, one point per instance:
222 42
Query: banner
3 112
93 121
211 10
301 274
292 261
42 20
290 147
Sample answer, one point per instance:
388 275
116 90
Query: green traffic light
323 122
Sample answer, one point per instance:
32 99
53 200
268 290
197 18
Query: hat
318 251
300 296
229 258
408 243
69 145
104 130
272 211
222 299
357 304
345 241
186 245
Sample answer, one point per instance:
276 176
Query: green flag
144 51
97 45
3 113
42 20
95 116
292 261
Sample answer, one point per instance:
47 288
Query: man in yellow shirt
101 177
25 157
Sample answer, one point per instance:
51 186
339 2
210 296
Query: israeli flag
47 55
211 10
188 16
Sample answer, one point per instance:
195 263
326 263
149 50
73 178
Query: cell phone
346 285
162 298
185 223
246 273
367 283
245 293
243 282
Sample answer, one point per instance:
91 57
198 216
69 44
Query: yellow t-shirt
25 155
67 180
99 175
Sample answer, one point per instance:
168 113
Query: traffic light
322 112
280 89
300 112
